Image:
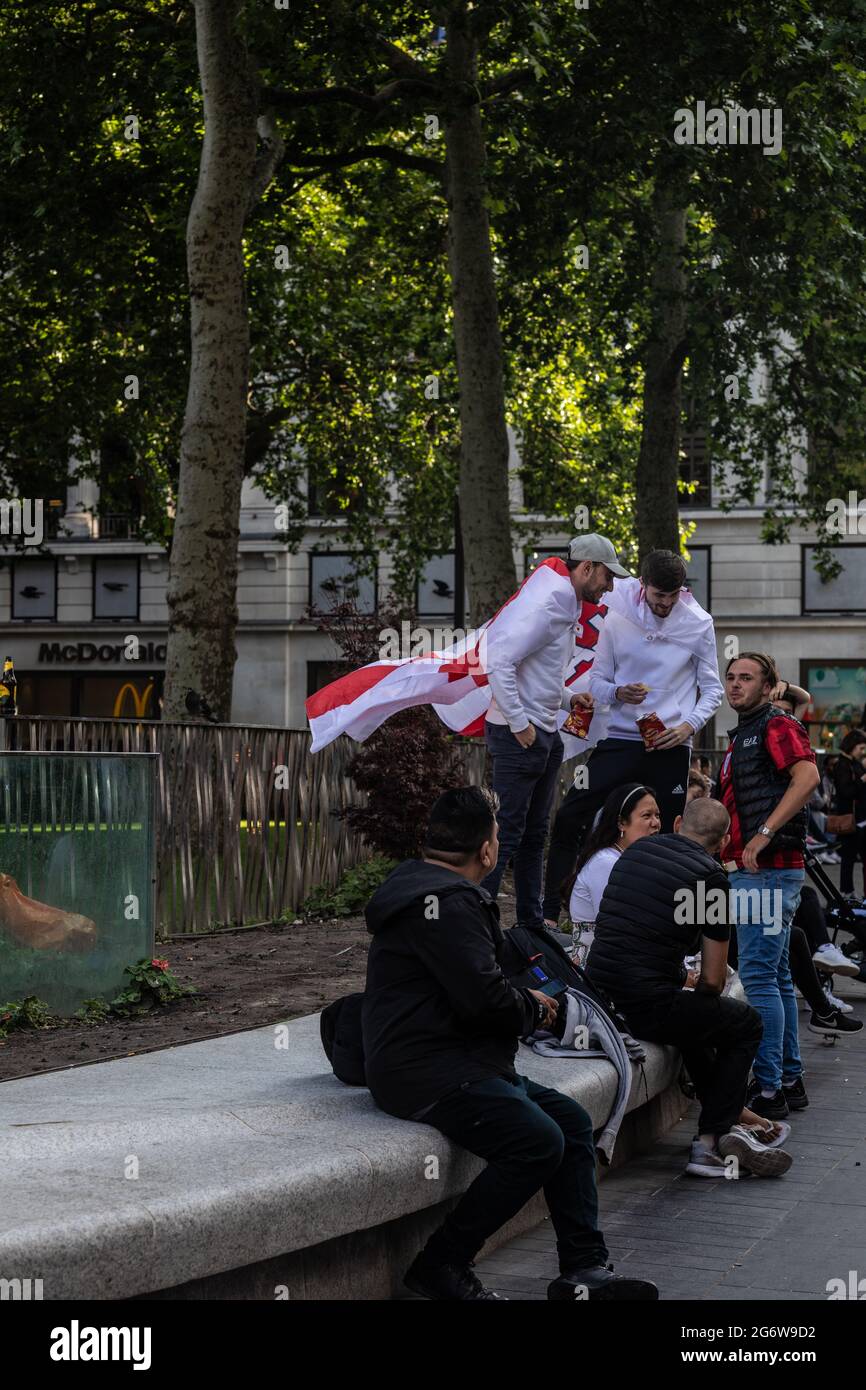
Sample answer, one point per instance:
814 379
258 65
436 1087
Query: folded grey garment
635 1050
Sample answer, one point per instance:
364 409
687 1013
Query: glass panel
844 594
698 575
436 588
115 587
45 695
76 874
334 582
533 558
838 694
34 589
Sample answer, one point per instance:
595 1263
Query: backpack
342 1039
531 959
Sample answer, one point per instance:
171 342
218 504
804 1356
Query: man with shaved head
667 897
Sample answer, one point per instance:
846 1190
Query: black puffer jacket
438 1010
637 955
759 785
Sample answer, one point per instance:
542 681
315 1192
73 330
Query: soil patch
244 979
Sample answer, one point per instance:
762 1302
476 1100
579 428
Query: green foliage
29 1012
352 893
93 1011
151 983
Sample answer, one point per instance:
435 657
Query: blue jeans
524 779
763 940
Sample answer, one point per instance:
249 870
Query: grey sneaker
705 1164
752 1154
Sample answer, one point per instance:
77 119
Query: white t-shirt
586 896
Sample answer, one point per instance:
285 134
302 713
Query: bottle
8 691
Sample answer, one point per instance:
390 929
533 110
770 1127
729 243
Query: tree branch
350 96
269 156
399 158
403 63
507 82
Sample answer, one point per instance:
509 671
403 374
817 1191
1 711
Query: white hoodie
674 656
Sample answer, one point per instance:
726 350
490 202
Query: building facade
67 612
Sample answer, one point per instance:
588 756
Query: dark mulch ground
244 979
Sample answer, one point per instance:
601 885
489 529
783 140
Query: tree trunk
203 568
484 500
657 503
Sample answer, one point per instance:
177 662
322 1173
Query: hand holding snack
633 694
579 720
672 738
650 727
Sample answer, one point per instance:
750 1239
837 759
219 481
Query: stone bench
237 1168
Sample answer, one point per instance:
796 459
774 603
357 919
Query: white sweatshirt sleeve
602 685
509 644
707 667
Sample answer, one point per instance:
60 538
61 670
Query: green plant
23 1013
151 982
352 892
93 1011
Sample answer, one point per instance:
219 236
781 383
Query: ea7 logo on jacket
750 742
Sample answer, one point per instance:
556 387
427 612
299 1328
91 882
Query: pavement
766 1239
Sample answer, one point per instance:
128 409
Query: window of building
698 575
435 595
695 468
115 587
533 558
838 690
321 673
334 580
844 594
34 590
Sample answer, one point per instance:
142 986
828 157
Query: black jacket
759 785
438 1010
637 955
850 791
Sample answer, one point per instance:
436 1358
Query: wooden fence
247 819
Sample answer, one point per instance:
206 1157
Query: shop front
95 679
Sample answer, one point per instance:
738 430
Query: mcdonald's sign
139 701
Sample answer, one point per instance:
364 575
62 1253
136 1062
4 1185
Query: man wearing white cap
526 660
656 652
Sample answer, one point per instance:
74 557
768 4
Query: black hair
664 570
460 821
850 741
619 806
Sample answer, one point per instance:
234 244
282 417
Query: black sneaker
600 1283
795 1095
834 1022
768 1107
446 1282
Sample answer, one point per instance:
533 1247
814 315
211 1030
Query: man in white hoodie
656 652
527 658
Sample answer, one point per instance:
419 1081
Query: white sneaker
839 1003
830 958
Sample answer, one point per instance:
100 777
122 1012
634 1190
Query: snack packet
578 721
650 726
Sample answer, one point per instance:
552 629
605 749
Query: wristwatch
765 830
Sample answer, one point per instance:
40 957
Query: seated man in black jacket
667 897
441 1026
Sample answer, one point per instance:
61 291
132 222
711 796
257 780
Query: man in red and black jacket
767 777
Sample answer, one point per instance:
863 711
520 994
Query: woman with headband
629 813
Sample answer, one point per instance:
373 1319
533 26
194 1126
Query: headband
629 796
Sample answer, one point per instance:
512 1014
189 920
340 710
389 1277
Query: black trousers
614 762
532 1137
718 1039
852 850
803 972
810 918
